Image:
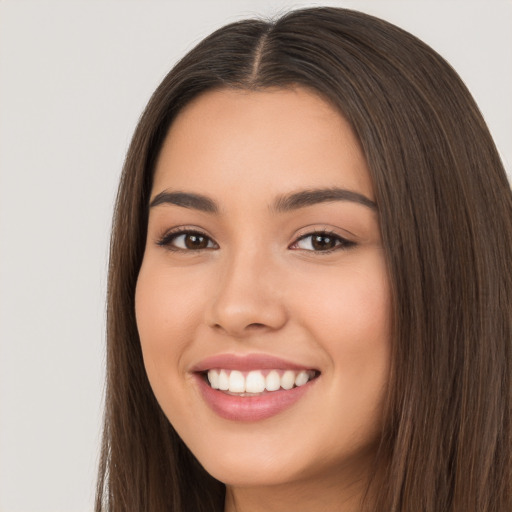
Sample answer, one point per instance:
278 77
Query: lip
249 408
247 362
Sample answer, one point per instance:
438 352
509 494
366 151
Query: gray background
74 77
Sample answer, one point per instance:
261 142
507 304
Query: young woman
310 293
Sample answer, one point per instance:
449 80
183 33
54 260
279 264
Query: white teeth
223 380
272 381
301 378
288 379
236 382
213 378
255 382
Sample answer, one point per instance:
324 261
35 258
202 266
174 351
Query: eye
321 241
187 241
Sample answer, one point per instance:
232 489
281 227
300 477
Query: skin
259 286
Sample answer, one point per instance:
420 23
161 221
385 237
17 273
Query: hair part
447 435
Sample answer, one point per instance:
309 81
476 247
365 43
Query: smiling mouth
257 382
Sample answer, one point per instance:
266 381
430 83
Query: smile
257 382
252 387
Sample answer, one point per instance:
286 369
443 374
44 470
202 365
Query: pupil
195 242
322 242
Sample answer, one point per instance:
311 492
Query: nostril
255 325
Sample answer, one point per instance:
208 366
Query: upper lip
247 362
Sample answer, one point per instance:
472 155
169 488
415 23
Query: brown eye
187 241
322 242
195 241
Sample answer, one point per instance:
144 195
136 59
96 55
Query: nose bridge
247 294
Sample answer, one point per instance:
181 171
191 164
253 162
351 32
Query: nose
248 297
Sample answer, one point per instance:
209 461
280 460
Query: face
263 302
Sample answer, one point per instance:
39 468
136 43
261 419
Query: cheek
348 314
167 309
350 308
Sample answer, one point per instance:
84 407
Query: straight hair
445 211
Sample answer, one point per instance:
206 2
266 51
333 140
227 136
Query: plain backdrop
74 78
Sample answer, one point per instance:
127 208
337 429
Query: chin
250 473
265 461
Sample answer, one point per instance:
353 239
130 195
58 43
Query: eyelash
341 243
168 238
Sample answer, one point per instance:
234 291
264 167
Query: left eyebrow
311 197
185 200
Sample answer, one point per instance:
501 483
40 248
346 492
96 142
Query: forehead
284 137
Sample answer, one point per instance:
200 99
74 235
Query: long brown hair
445 209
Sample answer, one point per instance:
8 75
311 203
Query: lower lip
250 408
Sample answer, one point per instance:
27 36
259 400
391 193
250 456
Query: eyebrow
186 200
311 197
282 204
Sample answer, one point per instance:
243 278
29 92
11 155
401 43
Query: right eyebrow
185 200
310 197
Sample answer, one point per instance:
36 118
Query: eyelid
345 243
171 234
